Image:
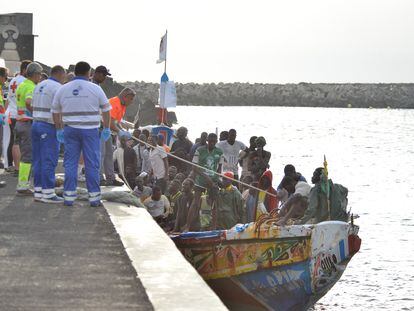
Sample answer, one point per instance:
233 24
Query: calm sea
371 153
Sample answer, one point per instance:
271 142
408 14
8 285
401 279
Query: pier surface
58 258
81 258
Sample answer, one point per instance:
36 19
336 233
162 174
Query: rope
208 170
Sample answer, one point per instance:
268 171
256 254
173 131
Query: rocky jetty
302 95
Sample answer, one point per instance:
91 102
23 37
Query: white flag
168 95
163 49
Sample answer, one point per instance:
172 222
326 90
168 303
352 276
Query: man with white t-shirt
45 146
78 106
231 149
13 152
159 164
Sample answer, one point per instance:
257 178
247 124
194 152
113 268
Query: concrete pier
58 258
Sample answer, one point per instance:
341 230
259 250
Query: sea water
369 151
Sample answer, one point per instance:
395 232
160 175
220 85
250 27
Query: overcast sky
273 41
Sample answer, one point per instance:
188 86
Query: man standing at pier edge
24 94
119 105
44 141
77 106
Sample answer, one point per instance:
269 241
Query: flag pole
325 173
165 71
165 62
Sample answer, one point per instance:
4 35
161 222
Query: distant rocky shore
296 95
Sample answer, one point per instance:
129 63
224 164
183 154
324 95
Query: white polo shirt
43 99
81 103
11 96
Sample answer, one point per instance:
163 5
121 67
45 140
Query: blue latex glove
106 134
124 134
2 121
60 136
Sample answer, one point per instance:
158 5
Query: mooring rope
206 169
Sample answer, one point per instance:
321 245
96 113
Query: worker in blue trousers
77 109
45 147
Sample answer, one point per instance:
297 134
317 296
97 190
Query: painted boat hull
279 268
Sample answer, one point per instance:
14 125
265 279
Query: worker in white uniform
45 146
77 109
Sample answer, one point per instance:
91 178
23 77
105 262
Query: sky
288 41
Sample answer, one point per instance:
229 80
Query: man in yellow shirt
24 95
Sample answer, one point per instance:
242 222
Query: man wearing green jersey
211 159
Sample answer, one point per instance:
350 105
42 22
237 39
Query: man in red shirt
119 104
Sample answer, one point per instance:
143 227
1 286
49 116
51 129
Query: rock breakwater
302 95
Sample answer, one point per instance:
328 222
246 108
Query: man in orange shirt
119 104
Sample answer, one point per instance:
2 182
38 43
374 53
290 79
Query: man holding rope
119 105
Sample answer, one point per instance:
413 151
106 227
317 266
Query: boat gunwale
188 243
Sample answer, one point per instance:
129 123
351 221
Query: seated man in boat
319 209
211 159
290 171
183 204
141 190
230 208
158 206
267 197
297 202
174 193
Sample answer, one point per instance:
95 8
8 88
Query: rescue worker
13 152
77 106
99 77
100 74
119 104
44 142
24 94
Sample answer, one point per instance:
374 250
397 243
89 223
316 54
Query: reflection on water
368 151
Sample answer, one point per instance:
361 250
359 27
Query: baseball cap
103 70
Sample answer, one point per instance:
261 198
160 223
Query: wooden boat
270 267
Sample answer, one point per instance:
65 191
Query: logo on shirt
41 89
75 92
